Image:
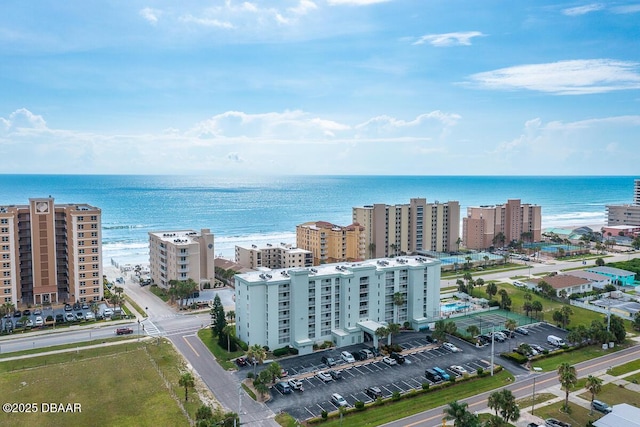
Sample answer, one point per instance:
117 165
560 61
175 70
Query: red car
241 361
124 331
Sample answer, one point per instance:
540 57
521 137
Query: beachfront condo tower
331 243
51 253
498 225
409 228
181 255
628 214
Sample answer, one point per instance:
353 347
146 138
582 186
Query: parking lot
419 355
72 314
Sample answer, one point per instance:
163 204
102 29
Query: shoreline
227 250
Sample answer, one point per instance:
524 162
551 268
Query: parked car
329 361
360 355
443 374
554 340
39 322
534 425
67 307
242 361
484 339
521 330
80 315
107 312
85 306
69 317
37 312
552 422
89 316
323 376
537 348
599 405
374 351
507 333
283 387
458 369
59 318
338 400
432 376
397 357
26 312
431 340
17 313
295 384
336 374
450 347
347 357
389 361
124 331
373 392
28 323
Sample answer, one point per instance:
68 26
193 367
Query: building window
5 229
94 242
82 275
94 226
80 227
80 235
80 251
94 250
4 221
94 218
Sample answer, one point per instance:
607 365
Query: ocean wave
573 219
122 227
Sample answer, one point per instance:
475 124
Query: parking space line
307 409
390 392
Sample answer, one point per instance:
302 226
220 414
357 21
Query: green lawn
627 367
580 315
113 387
65 346
222 355
613 394
159 292
389 411
525 402
578 417
551 363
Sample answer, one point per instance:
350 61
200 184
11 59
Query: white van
554 340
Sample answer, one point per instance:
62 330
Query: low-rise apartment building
272 256
51 253
343 302
485 225
408 228
181 255
331 243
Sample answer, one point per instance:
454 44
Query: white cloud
150 15
22 120
449 39
303 7
207 22
574 77
582 10
356 2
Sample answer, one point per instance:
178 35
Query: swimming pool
453 306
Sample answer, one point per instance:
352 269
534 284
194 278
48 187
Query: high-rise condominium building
409 228
332 243
273 256
626 214
344 303
485 225
51 253
181 255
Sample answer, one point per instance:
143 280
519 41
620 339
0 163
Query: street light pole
533 394
493 338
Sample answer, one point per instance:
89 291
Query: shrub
249 375
243 345
480 371
425 386
279 352
395 395
265 348
359 405
406 325
293 350
324 414
379 401
516 357
494 303
452 379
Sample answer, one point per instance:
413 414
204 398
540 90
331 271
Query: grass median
376 415
222 355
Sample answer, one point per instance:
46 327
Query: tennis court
486 320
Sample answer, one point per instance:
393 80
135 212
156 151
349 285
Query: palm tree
536 306
229 331
398 300
260 387
394 248
393 328
467 264
231 316
187 381
593 386
492 289
256 354
486 259
510 324
381 332
495 401
499 238
458 412
568 377
458 241
461 286
473 330
509 408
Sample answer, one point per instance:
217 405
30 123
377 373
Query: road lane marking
190 346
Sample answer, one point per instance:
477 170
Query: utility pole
493 338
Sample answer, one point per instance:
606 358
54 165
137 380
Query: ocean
260 210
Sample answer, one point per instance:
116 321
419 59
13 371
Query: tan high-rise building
484 223
181 255
627 214
409 228
51 253
273 256
331 243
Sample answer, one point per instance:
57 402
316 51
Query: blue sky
415 87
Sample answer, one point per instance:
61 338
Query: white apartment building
627 214
343 302
405 229
273 256
181 255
